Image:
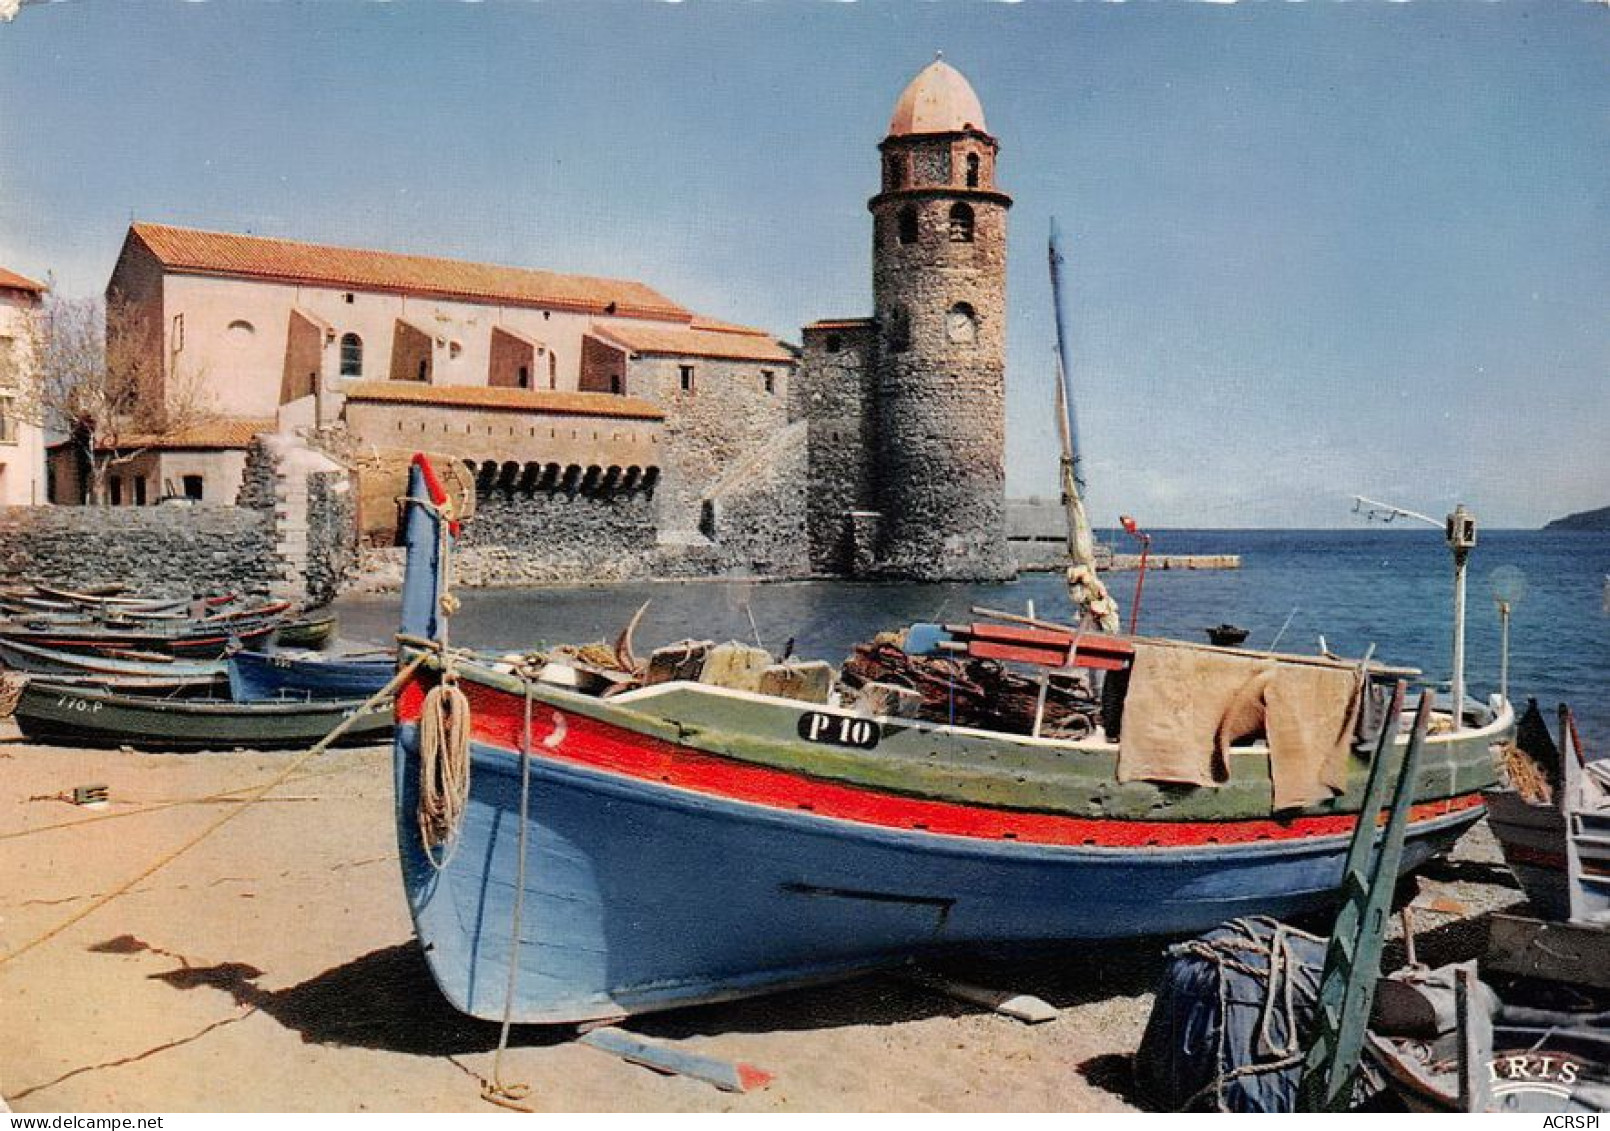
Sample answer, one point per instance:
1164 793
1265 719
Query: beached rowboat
157 674
67 715
279 675
311 630
197 640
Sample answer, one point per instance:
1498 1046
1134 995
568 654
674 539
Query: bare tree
92 371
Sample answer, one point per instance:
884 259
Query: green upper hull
987 768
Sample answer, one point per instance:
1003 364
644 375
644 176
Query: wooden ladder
1353 958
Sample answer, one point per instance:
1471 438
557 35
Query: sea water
1390 588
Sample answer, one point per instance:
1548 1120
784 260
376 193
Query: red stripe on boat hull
497 719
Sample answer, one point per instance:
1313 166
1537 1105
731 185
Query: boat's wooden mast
1090 598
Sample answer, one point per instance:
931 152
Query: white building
22 444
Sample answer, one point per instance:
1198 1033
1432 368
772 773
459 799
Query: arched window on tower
961 223
898 170
972 170
908 224
351 355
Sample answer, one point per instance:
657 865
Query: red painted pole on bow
1145 540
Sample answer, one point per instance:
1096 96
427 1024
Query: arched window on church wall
351 355
972 170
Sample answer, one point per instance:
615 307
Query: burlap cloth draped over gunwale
1186 705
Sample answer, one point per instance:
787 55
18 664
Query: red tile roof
220 253
839 323
11 281
213 435
542 401
702 323
678 342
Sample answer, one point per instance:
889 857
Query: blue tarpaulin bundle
1229 1029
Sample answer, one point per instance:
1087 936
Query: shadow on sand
386 999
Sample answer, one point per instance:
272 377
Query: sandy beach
273 967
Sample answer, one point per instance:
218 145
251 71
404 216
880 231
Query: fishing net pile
975 693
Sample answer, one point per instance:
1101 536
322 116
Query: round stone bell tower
939 295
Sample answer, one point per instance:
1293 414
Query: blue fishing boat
568 857
290 675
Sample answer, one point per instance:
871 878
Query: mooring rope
319 747
498 1091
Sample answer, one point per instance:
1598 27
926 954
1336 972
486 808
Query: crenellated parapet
511 478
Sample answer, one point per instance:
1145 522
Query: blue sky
1315 248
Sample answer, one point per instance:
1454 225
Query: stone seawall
168 550
517 537
538 537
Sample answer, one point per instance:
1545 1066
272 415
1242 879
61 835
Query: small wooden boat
189 639
155 674
1532 837
311 630
281 675
1526 816
684 842
98 594
67 715
272 611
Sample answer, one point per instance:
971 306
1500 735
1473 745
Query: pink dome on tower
938 101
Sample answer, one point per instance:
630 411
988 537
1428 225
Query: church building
546 373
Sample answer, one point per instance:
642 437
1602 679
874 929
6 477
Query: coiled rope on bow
444 721
444 768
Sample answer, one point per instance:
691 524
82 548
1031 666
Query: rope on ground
278 780
227 797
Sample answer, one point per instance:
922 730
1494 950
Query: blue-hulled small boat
290 675
685 843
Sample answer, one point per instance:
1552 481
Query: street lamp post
1461 532
1459 528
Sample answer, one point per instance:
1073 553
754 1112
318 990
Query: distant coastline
1583 520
